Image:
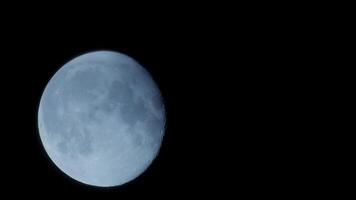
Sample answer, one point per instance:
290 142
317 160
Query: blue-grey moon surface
101 119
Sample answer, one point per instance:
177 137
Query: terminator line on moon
101 119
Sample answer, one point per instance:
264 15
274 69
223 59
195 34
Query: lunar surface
101 119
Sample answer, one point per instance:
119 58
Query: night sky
229 89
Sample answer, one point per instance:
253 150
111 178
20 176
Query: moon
101 119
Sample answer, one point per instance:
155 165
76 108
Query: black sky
232 84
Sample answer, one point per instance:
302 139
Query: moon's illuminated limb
101 119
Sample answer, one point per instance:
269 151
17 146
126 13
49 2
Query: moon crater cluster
101 119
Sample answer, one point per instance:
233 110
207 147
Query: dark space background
236 124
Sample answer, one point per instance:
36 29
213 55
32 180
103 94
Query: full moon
101 119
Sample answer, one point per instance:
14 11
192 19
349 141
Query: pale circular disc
101 119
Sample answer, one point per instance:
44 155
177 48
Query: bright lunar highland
101 119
